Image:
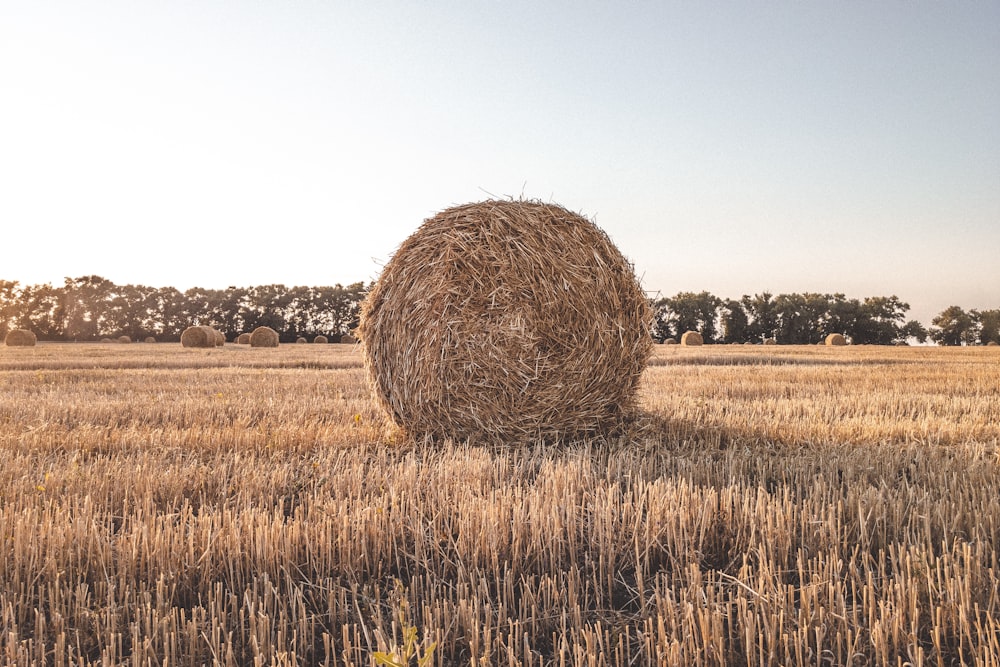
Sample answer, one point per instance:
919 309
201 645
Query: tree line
92 308
802 319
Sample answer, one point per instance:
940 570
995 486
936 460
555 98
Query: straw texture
506 321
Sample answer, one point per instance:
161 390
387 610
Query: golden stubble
769 506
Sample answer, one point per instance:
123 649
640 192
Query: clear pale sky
731 147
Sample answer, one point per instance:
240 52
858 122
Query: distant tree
10 305
880 321
41 311
913 329
687 311
954 326
734 322
989 326
799 317
762 314
85 307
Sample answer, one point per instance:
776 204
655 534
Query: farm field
235 506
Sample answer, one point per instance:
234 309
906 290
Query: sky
733 147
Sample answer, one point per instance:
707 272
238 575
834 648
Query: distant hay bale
506 321
321 339
20 338
691 338
149 339
107 340
670 341
836 339
348 339
243 339
300 340
124 339
264 337
198 336
220 338
992 343
770 341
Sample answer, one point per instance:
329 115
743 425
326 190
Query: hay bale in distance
220 338
692 338
836 339
149 339
300 340
20 338
243 339
321 339
264 337
124 339
770 341
670 341
506 321
348 339
992 343
198 336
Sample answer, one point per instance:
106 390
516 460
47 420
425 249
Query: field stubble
237 506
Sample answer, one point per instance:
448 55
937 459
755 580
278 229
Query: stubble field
237 506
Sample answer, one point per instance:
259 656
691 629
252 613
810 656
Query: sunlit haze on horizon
730 147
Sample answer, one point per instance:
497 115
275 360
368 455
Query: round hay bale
506 321
836 339
300 340
20 338
124 339
220 338
770 341
107 340
691 338
992 343
321 339
243 339
670 341
149 339
198 336
264 337
348 339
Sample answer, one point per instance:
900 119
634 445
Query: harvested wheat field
780 506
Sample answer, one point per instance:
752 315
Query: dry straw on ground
243 339
321 340
506 320
198 336
20 338
692 338
264 337
836 339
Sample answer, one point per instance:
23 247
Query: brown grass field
236 506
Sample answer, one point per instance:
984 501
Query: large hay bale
264 337
836 339
692 338
198 336
220 338
243 339
506 321
20 338
321 339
